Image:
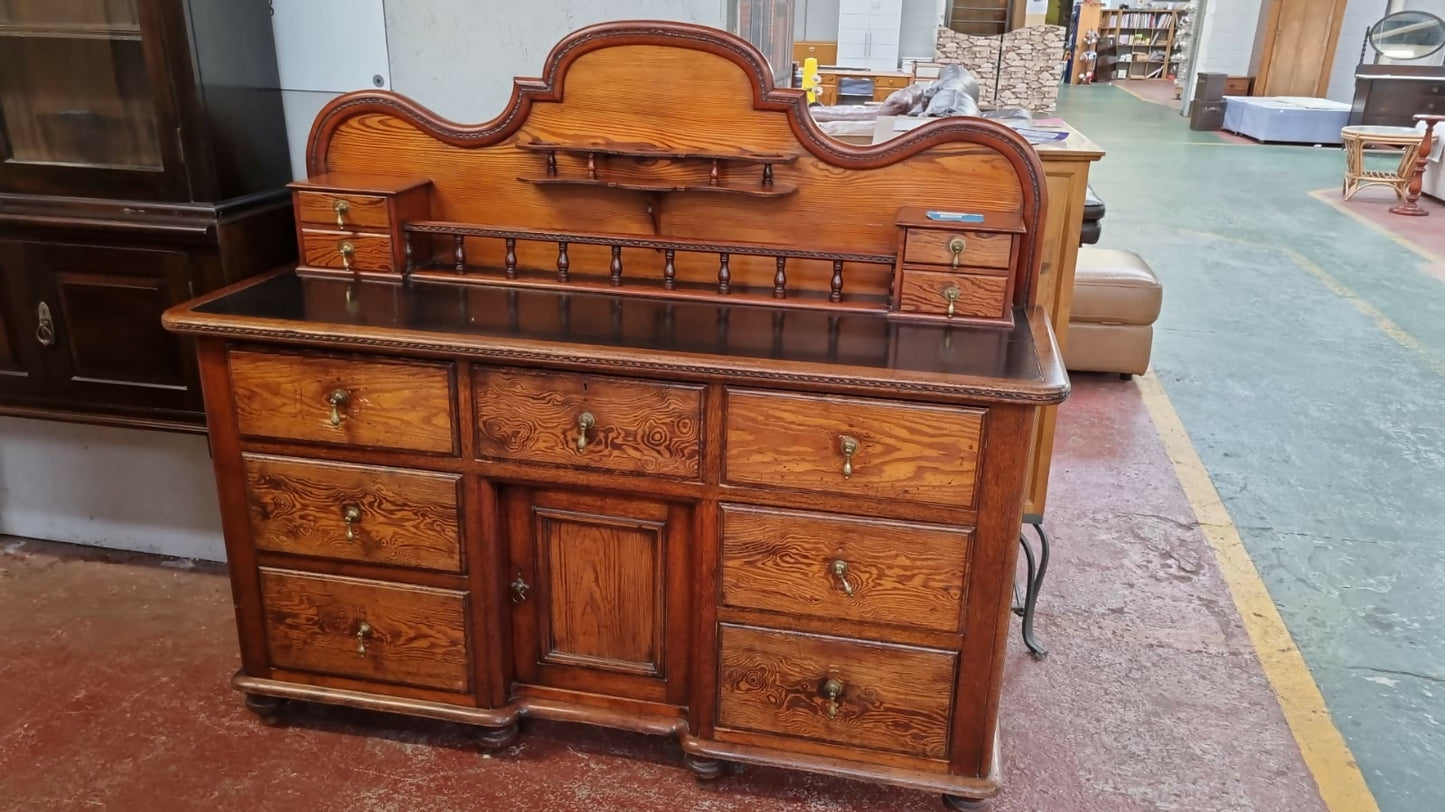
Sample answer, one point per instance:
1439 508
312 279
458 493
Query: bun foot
495 738
705 769
266 708
956 802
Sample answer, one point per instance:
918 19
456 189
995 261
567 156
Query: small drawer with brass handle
588 421
844 568
347 252
957 249
975 297
349 401
395 634
855 693
876 449
342 211
365 513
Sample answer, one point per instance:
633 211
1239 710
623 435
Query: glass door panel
74 86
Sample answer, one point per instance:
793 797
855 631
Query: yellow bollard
810 78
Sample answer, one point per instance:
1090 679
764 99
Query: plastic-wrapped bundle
954 94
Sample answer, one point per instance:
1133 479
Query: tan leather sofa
1116 300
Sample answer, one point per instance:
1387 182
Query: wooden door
599 593
109 348
1299 47
22 328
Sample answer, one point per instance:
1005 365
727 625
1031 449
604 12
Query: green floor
1305 353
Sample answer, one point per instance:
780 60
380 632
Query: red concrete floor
114 695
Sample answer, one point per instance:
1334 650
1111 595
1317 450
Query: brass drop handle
341 207
956 246
849 447
585 422
338 399
832 691
950 295
363 633
348 252
839 568
351 514
45 325
519 588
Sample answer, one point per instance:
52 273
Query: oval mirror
1408 35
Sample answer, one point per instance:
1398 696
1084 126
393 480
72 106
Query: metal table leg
1037 568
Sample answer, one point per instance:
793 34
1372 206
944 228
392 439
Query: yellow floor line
1330 198
1325 752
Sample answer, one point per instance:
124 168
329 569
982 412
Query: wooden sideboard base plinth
267 708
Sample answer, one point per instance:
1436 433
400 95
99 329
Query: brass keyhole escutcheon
955 247
849 447
339 399
341 207
351 514
832 691
585 423
519 588
950 295
348 252
363 633
44 325
839 568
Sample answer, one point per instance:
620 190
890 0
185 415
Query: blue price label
955 216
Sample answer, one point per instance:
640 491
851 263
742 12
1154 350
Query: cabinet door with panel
109 347
24 327
599 590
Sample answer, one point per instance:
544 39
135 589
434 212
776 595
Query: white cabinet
868 33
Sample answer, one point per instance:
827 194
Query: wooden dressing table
669 414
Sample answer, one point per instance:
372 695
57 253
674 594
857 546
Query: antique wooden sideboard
644 404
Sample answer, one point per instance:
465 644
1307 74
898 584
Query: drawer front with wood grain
371 630
403 405
362 513
960 296
850 692
588 421
339 249
941 247
342 211
844 567
853 446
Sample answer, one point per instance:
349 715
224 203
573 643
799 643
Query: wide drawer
342 211
340 249
961 296
588 421
936 247
373 403
898 450
371 630
360 513
850 692
844 567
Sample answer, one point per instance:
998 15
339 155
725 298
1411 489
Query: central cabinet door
599 593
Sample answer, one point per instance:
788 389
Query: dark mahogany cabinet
143 160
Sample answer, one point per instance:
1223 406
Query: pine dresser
646 405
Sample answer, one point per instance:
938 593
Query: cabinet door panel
20 330
109 345
604 574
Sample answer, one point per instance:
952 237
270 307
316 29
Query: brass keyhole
519 588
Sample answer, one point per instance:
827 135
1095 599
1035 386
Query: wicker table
1358 177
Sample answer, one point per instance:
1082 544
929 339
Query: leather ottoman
1116 300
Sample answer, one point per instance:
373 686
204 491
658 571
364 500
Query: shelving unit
1144 40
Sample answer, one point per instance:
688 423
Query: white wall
1225 36
1359 16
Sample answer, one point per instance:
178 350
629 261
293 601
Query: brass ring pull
351 514
849 447
950 295
341 207
839 568
45 326
338 399
363 633
348 252
519 588
585 422
956 246
832 691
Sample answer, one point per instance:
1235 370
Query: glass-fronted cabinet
143 160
